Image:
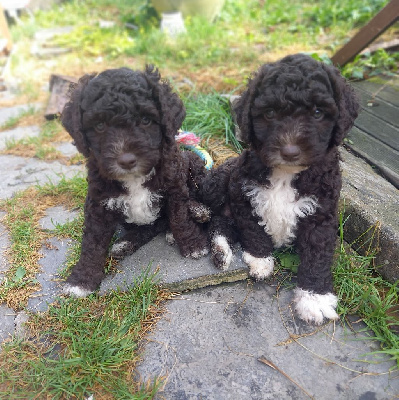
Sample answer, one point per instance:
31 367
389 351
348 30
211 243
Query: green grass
209 115
60 359
75 188
362 291
24 239
47 133
13 121
88 346
245 30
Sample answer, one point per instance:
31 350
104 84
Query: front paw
259 268
313 307
221 252
76 287
76 290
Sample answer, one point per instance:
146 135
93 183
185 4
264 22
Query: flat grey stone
57 216
208 343
21 319
370 201
51 262
18 134
18 173
175 272
68 149
7 327
10 112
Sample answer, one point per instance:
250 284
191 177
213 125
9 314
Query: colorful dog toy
190 141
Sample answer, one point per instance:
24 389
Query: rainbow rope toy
190 141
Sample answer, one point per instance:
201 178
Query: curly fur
285 188
125 123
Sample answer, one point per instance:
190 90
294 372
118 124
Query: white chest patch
140 206
279 207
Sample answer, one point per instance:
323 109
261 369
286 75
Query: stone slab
57 216
208 343
18 134
7 327
10 112
174 271
18 173
53 259
68 149
369 201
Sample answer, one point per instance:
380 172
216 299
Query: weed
367 65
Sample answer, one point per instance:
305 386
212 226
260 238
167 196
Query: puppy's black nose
290 152
127 160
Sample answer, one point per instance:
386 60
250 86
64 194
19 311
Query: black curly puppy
125 123
284 190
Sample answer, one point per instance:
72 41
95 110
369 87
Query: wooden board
375 136
376 153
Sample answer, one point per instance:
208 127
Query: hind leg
222 237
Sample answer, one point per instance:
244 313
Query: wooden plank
390 93
381 22
376 153
379 108
379 129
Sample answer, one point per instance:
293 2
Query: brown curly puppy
284 190
125 123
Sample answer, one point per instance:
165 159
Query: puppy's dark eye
318 114
145 121
270 113
100 127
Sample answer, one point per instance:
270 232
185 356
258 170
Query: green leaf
19 274
289 261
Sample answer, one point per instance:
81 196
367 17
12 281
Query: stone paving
209 342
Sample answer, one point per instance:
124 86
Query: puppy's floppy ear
242 107
71 117
347 102
169 104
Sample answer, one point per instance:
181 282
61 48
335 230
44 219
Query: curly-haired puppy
284 189
125 123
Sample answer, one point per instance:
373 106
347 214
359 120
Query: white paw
313 307
75 291
221 252
119 248
199 254
259 268
170 239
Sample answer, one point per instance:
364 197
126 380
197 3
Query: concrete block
371 205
